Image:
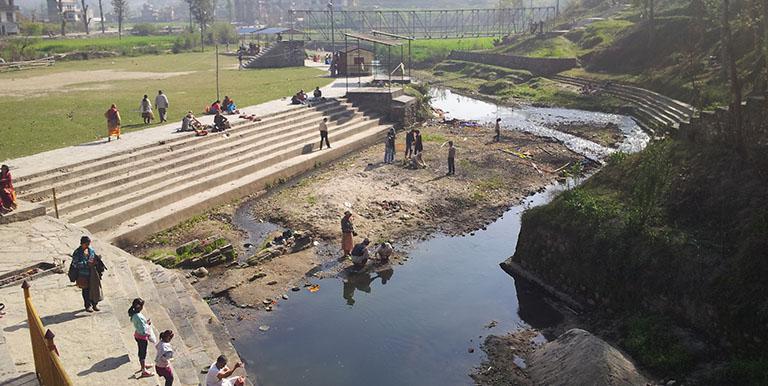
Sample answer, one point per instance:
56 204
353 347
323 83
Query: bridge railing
48 366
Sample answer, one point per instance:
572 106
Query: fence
48 367
13 66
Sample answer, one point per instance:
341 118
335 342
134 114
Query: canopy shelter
356 60
267 34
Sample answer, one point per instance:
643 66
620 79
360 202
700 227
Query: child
164 356
142 332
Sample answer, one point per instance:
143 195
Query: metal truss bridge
423 24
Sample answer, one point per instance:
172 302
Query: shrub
649 340
144 29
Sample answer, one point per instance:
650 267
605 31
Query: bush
221 33
28 28
649 340
185 41
145 29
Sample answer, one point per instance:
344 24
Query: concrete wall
282 54
395 105
541 66
716 127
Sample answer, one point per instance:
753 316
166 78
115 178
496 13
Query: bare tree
60 6
101 16
120 8
86 19
203 13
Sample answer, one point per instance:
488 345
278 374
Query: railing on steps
48 367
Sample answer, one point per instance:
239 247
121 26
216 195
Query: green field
110 43
44 109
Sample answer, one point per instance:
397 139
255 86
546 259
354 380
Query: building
356 62
9 18
71 11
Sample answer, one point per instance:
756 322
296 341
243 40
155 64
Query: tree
230 10
120 8
60 6
203 13
729 56
101 16
86 19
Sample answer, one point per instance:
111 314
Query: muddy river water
420 323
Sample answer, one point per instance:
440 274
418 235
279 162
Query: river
420 323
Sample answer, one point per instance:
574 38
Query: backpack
73 273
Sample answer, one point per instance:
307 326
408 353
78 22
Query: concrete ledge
25 211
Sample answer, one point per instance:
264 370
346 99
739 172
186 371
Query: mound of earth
579 358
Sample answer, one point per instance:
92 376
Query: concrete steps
37 186
145 190
654 111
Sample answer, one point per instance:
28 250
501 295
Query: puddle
256 229
536 119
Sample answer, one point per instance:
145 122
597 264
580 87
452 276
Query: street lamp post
333 34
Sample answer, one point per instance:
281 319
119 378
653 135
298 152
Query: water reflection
361 281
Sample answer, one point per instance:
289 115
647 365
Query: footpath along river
420 323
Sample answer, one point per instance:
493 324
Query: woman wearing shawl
7 193
146 110
113 122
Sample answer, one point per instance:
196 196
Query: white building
9 22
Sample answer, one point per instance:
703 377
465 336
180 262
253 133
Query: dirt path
63 80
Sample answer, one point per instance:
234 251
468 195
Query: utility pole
333 35
217 71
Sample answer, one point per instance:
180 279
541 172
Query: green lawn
72 114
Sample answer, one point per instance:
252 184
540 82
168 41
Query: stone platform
98 348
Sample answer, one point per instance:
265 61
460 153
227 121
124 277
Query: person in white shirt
161 102
221 375
164 355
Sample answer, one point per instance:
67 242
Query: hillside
674 236
678 54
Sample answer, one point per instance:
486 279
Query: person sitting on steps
220 122
221 375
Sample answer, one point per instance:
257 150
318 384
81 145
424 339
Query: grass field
109 43
44 109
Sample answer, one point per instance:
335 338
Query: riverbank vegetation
512 86
670 239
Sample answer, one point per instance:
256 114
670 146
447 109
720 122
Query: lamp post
333 34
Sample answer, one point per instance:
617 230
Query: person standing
324 133
240 59
84 259
146 110
142 333
389 147
7 192
221 375
409 143
161 102
497 138
451 158
164 355
113 122
418 145
347 231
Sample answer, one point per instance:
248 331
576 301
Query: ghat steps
98 348
656 112
127 196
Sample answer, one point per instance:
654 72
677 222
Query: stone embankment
98 348
540 66
126 196
655 112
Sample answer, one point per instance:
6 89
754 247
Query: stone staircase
288 53
126 196
653 111
98 348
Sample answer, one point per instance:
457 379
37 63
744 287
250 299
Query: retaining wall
541 66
